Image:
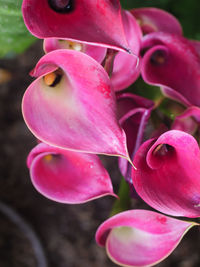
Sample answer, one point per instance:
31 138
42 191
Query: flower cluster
78 108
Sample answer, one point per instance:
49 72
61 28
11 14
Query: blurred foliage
187 12
14 37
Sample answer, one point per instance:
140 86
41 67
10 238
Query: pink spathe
96 52
153 19
79 112
168 174
126 68
140 237
66 176
88 21
167 57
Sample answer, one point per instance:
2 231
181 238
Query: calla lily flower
167 58
188 121
168 174
71 105
126 67
89 21
98 53
66 176
153 19
140 238
133 113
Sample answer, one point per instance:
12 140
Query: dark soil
66 232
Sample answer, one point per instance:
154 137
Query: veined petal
168 174
153 19
88 21
73 107
140 237
126 67
172 62
98 53
66 176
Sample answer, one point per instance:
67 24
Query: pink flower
167 178
188 121
126 67
71 105
140 237
168 57
89 21
153 19
133 114
96 52
66 176
168 174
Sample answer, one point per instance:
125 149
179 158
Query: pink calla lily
168 174
66 176
98 53
188 121
89 21
153 19
71 105
133 113
140 238
126 68
167 58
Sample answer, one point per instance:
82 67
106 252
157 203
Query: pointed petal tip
58 129
132 238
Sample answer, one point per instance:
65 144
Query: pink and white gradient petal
140 237
78 113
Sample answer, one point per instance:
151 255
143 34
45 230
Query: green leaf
14 37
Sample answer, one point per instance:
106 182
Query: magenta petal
163 52
126 69
79 112
153 19
98 53
188 121
140 237
168 174
89 21
66 176
133 113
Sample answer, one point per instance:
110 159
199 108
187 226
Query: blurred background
34 229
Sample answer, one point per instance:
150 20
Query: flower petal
133 113
78 110
140 237
126 69
98 53
167 58
168 174
66 176
188 121
89 21
153 19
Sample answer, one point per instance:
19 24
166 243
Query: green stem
123 202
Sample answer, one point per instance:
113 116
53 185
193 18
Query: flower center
158 57
53 78
48 158
61 6
162 150
71 45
